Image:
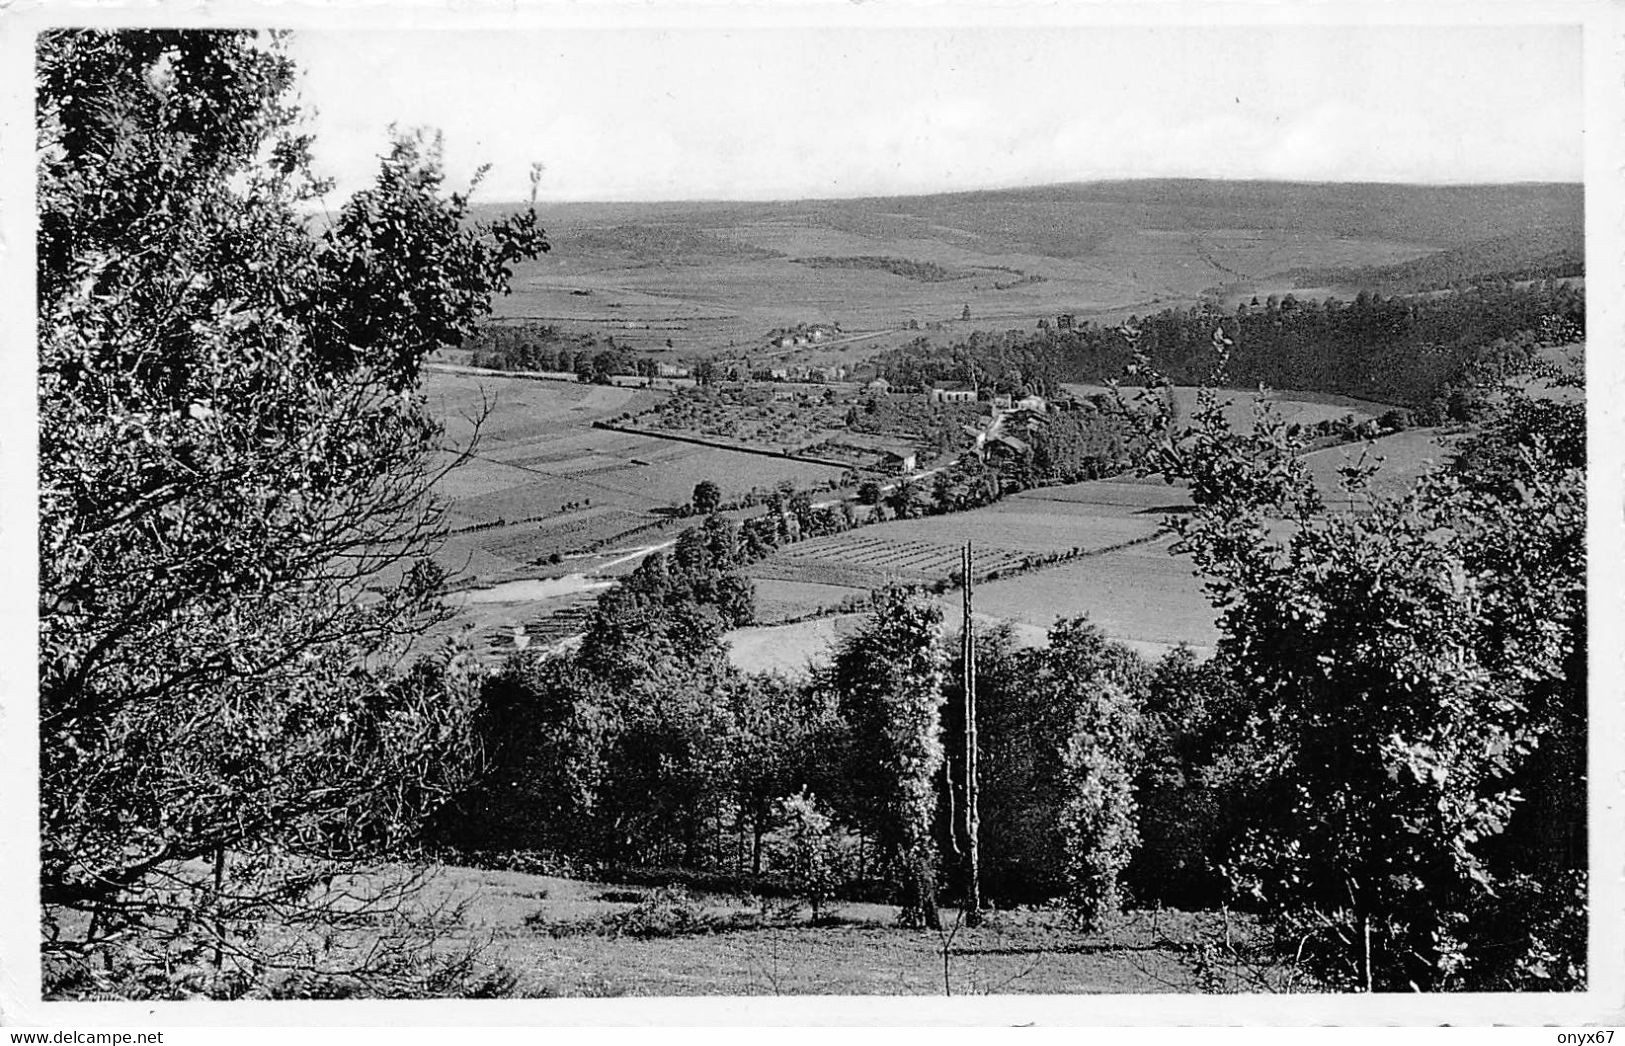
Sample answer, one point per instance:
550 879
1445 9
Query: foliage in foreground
233 469
1415 673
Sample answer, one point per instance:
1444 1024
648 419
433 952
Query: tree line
1415 351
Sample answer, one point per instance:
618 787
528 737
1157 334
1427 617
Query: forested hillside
1539 254
1415 351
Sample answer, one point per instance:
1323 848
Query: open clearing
1402 457
1143 596
1127 582
1303 408
1013 533
858 951
778 600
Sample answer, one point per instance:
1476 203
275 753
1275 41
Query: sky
780 112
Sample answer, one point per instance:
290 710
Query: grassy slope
862 953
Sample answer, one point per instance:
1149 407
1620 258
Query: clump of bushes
669 911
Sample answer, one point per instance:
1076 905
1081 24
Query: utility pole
973 857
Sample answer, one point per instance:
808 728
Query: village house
671 370
899 460
1035 404
1006 447
1022 420
959 392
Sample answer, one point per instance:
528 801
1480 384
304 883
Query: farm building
671 370
1023 419
959 392
1035 404
1006 447
900 460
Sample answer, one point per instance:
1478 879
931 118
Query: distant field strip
701 441
861 560
1148 498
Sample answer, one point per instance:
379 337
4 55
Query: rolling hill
712 277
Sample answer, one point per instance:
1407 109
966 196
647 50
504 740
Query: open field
777 600
1143 596
1304 408
1136 591
543 481
1403 458
549 931
917 551
1139 594
1564 357
1077 519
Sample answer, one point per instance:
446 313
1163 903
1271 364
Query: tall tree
707 497
233 474
1092 689
888 678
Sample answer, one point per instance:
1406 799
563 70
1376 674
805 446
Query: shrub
670 911
806 850
621 896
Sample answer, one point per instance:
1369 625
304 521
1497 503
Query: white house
956 393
